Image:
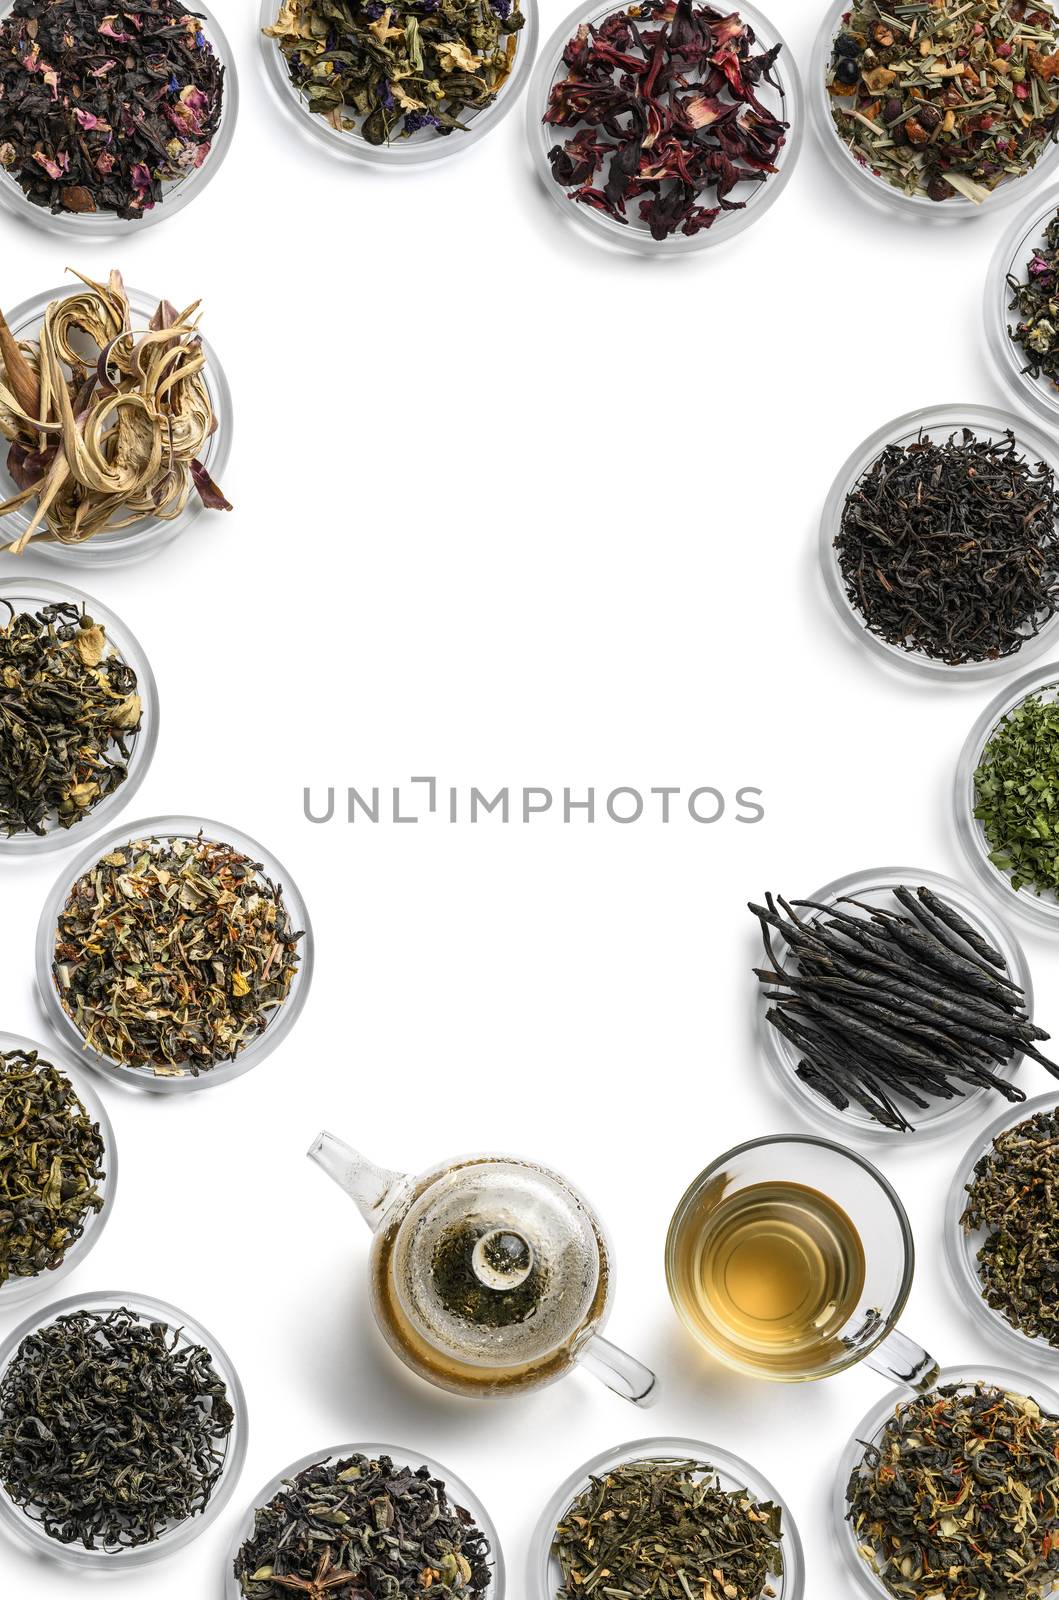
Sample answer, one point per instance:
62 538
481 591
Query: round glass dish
875 885
875 189
18 1290
28 593
544 1576
168 828
867 1431
458 1492
28 1532
635 234
1040 909
100 225
939 422
417 148
150 534
1010 258
961 1247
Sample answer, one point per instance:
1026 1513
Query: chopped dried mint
950 549
172 955
959 1497
946 100
1036 299
363 1530
102 104
69 711
668 100
1013 1198
51 1165
388 71
1016 792
102 441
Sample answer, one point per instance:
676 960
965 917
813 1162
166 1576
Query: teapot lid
497 1262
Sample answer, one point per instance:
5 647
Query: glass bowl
1027 232
96 226
168 828
875 189
30 593
459 1495
150 534
18 1290
876 883
1043 910
30 1533
939 422
961 1247
544 1577
867 1432
426 145
635 235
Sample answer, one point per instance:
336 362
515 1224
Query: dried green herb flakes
1016 789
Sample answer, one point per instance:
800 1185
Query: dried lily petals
666 98
102 442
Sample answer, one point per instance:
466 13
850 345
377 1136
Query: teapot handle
619 1371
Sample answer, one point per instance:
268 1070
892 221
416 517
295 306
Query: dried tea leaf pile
1016 792
112 1428
172 955
959 1498
103 440
664 1530
102 103
1035 297
390 70
363 1530
948 99
674 107
69 711
1014 1198
51 1166
950 549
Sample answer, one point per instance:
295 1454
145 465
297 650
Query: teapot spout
371 1188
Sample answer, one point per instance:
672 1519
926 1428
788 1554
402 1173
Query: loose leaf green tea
950 549
666 1530
391 70
1014 1198
1036 299
51 1165
950 99
1016 791
69 711
112 1428
107 422
366 1530
173 955
959 1498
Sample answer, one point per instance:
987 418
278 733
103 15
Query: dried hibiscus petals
665 100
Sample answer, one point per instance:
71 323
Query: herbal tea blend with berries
102 104
946 100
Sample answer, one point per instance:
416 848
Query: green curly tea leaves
1016 791
51 1166
1013 1198
173 955
1035 297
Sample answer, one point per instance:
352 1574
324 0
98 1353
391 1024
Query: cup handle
620 1372
901 1359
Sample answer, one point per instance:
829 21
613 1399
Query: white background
513 510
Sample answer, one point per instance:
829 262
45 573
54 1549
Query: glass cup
865 1325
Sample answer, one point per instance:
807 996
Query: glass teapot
489 1275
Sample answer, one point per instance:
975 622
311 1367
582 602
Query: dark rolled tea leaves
950 549
1036 299
112 1429
363 1530
174 954
1014 1198
51 1166
894 1007
669 103
69 710
959 1498
664 1530
103 103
